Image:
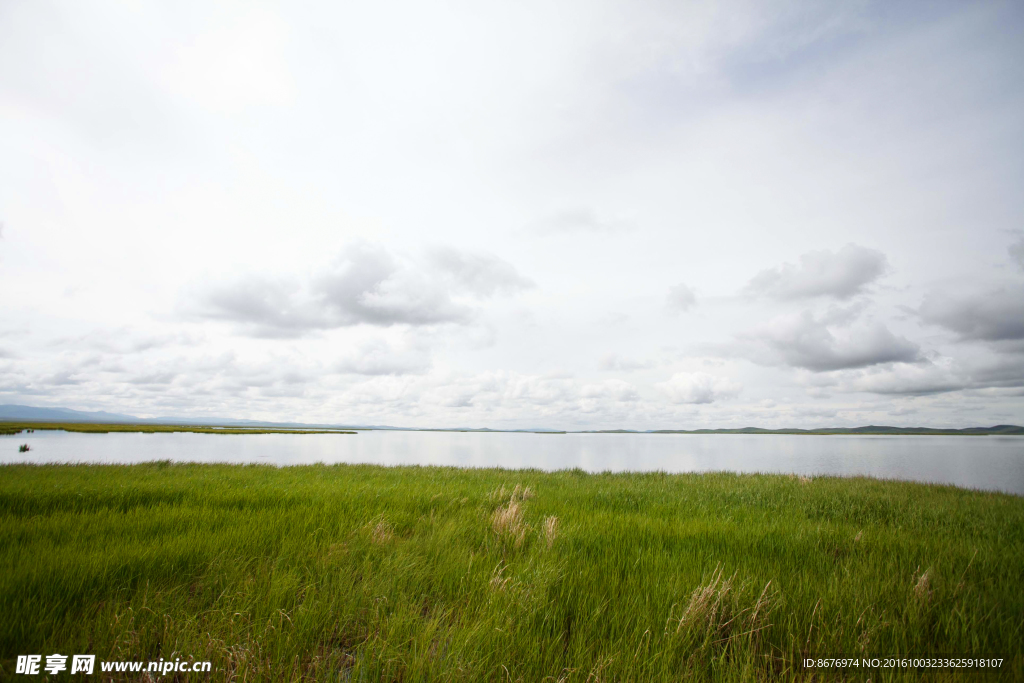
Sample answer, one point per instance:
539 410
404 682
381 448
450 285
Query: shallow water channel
994 463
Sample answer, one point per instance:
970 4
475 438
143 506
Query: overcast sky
569 214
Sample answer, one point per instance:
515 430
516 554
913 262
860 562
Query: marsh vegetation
101 428
363 573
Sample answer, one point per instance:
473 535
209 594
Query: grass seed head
922 588
498 579
382 532
508 522
705 605
723 613
550 530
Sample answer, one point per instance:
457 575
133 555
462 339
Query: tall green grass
362 573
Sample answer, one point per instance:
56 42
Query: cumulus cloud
681 298
368 284
364 284
996 315
841 275
834 341
698 388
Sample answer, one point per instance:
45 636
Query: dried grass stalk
550 530
382 532
508 522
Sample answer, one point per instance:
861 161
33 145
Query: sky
580 214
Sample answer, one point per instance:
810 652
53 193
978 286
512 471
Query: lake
994 463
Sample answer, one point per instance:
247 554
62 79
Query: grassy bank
369 573
9 428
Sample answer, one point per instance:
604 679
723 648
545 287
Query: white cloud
836 340
581 220
698 388
363 285
840 275
681 298
378 357
614 362
483 275
233 64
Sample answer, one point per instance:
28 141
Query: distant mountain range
9 413
12 413
870 429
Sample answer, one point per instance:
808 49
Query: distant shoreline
10 427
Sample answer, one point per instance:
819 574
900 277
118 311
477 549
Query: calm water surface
993 463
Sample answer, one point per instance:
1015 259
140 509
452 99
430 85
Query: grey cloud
367 285
681 298
123 341
161 378
279 376
1017 252
841 274
1002 371
835 341
614 390
363 285
910 380
698 388
480 274
995 316
581 220
549 396
616 363
63 378
269 308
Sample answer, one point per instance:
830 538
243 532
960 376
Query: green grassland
363 573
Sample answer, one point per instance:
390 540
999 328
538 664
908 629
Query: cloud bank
365 285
